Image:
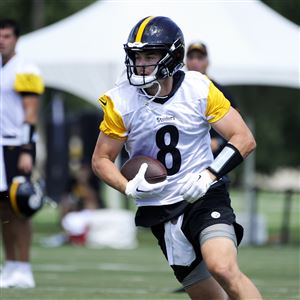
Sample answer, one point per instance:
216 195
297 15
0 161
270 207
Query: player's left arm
240 143
30 105
229 124
233 128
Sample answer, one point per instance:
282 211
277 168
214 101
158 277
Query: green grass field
79 273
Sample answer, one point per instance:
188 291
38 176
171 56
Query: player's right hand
25 163
139 188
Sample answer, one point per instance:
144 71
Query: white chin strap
150 97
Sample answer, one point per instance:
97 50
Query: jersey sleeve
29 80
112 124
217 105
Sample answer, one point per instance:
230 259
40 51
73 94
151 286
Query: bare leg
8 236
208 289
220 256
16 234
23 234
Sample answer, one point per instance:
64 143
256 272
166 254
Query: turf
79 273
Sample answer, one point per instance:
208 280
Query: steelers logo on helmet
26 198
154 33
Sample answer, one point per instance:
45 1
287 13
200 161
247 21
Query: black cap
197 46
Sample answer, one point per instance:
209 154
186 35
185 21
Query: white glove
195 186
138 187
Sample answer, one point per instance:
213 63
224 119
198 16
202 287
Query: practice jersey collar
177 80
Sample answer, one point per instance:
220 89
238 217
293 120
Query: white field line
89 290
104 267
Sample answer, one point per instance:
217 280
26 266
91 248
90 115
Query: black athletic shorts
213 208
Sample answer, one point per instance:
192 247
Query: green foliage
18 10
275 112
51 10
58 10
290 9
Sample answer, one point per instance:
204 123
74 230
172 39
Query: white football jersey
176 132
16 77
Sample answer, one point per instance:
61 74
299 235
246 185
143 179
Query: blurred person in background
82 192
80 199
162 112
21 85
197 60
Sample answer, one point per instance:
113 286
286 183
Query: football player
162 112
21 84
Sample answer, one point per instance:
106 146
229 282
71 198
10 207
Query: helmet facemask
142 81
167 66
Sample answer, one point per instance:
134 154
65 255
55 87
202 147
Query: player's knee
223 272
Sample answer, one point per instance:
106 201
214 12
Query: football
156 171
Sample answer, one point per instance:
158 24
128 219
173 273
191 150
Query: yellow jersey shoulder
28 78
116 103
216 103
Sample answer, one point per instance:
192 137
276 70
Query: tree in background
34 14
290 9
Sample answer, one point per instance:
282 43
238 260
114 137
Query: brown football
156 171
